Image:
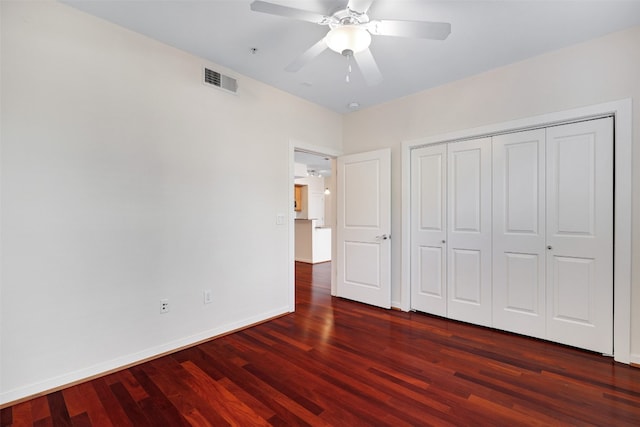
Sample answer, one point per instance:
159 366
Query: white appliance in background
313 242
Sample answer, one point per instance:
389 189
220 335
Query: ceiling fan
350 33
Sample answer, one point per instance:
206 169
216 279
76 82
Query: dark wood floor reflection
336 362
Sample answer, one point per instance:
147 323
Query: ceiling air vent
221 81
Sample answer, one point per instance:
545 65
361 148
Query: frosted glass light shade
348 37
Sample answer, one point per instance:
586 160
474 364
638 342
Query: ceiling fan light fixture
348 38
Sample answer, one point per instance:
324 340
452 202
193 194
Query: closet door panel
580 234
519 232
466 283
465 189
469 231
428 229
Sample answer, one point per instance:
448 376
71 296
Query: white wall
598 71
125 180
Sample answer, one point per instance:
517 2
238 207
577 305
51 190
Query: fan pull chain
348 78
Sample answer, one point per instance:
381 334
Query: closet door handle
549 247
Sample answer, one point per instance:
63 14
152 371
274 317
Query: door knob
549 247
444 241
383 237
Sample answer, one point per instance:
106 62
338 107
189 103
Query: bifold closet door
428 229
580 234
519 233
469 231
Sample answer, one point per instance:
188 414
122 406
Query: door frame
295 145
621 110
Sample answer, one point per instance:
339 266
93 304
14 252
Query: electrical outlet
164 305
208 296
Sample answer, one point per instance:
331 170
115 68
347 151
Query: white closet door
469 231
428 229
580 234
519 232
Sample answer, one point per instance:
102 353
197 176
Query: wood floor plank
134 388
44 422
286 410
22 417
40 408
130 407
115 411
81 420
6 417
335 362
195 355
83 398
58 408
171 378
230 407
157 383
158 402
372 402
258 407
507 415
74 400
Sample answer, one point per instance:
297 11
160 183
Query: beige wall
125 180
602 70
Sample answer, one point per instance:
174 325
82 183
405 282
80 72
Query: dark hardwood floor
336 362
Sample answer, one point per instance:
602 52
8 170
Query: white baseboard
37 389
635 359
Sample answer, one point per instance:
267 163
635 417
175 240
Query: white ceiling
484 35
314 162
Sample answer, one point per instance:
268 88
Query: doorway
361 192
313 214
312 179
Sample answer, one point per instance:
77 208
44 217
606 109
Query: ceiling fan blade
360 6
418 29
307 56
288 12
368 67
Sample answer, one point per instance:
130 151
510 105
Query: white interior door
580 234
429 229
519 233
364 227
469 231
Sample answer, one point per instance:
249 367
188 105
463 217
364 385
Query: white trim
291 264
635 359
622 111
622 231
405 219
323 151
